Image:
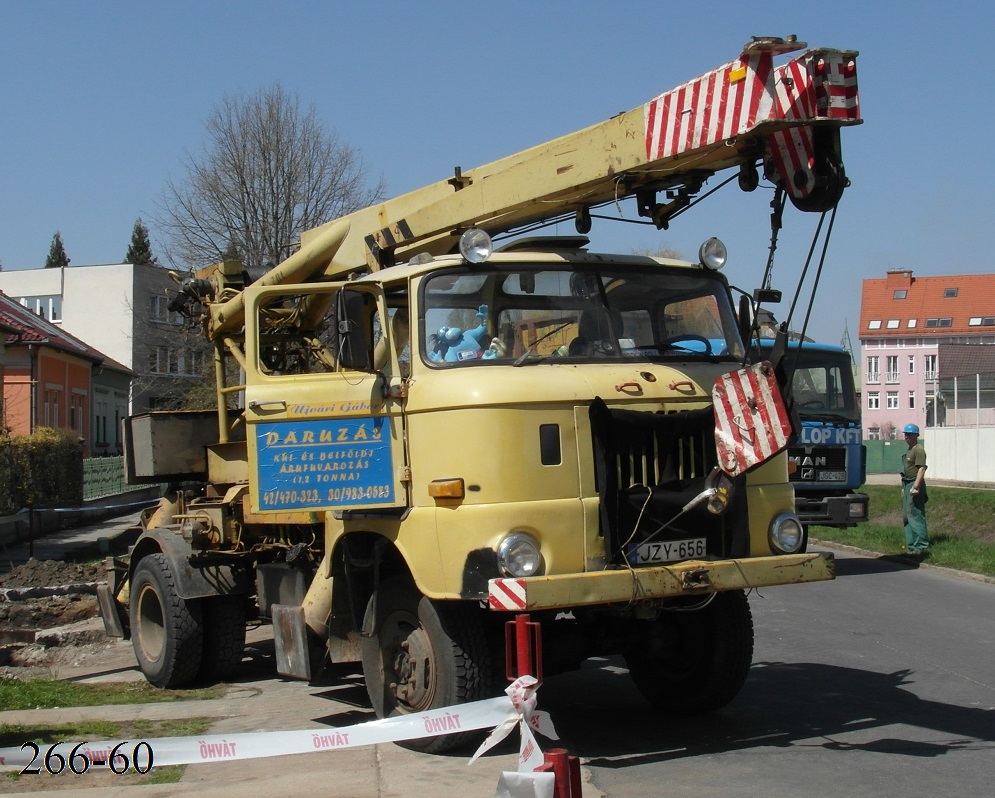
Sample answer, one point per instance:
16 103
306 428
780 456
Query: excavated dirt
49 573
47 610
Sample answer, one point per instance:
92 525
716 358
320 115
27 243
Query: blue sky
101 100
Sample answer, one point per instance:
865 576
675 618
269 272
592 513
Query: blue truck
828 462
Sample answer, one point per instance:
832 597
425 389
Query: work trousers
914 517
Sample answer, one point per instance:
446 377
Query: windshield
823 385
524 316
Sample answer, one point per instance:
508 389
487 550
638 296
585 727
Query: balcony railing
892 376
874 376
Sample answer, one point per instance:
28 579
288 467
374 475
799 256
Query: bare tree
269 170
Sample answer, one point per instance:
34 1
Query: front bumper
689 578
839 511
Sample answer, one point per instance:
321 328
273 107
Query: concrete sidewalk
92 541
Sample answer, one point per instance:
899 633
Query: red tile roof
900 297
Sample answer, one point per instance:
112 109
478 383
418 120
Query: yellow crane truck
420 434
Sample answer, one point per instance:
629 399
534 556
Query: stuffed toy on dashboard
452 344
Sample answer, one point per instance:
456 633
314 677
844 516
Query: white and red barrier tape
501 714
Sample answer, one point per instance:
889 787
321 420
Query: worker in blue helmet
914 496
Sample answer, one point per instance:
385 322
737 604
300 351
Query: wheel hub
412 667
150 631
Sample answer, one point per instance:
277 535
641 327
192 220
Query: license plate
667 551
832 476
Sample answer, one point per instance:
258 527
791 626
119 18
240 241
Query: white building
121 310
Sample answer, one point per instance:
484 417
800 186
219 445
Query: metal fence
965 401
103 476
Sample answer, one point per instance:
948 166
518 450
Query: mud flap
293 657
111 612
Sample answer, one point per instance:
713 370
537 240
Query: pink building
906 325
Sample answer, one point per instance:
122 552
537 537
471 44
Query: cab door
324 420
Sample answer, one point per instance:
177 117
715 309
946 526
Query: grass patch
961 525
92 730
49 693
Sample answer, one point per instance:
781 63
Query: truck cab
828 462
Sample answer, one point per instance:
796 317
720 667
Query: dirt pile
40 596
51 573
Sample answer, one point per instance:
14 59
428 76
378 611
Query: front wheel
692 662
166 630
422 655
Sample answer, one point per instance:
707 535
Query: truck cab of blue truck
828 462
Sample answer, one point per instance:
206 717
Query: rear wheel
166 630
224 636
422 655
696 661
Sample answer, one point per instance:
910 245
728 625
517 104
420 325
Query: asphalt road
880 683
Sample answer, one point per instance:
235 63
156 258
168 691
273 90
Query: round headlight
786 534
475 245
518 555
712 254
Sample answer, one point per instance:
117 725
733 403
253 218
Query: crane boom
745 112
735 115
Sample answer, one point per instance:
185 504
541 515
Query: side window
297 334
397 333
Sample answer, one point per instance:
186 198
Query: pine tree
140 250
56 253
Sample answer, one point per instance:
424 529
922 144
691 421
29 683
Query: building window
949 293
166 360
892 400
947 322
76 413
873 400
912 364
48 307
51 410
900 293
982 321
912 323
874 324
873 369
912 400
929 366
892 324
159 311
892 375
874 433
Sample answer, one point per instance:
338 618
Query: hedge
44 469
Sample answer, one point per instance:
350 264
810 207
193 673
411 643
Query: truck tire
696 661
166 630
224 636
422 655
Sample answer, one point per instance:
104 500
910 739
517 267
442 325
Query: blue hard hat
911 429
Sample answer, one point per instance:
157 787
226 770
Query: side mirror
745 320
353 336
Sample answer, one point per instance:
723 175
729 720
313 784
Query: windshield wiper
521 359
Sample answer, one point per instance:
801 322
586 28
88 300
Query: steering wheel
674 343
